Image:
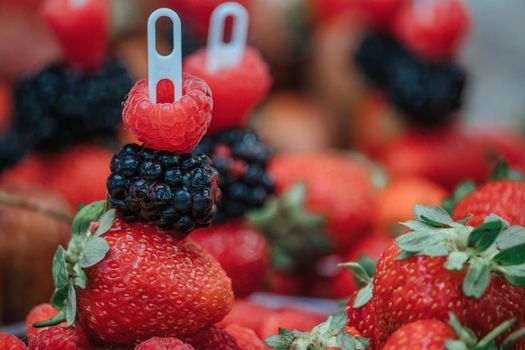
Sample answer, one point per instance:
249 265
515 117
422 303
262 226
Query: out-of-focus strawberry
241 251
504 144
243 312
5 105
10 342
446 156
39 313
282 282
246 338
433 29
290 319
382 13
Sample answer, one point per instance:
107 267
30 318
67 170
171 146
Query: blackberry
173 191
426 92
60 107
241 160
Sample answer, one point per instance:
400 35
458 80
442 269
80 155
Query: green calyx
363 270
327 334
458 194
294 233
493 247
467 340
85 249
503 171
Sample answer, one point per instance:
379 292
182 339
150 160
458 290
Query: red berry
241 251
39 313
381 13
421 335
169 126
246 338
10 342
164 344
362 319
81 29
433 29
242 314
236 90
290 319
59 338
213 338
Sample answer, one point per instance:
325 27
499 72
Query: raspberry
58 338
213 338
60 107
39 313
427 92
236 90
10 342
166 125
173 191
241 160
164 344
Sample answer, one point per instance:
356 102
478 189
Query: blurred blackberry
426 92
178 192
60 107
241 160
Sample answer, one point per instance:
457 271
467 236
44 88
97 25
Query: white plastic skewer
221 54
162 67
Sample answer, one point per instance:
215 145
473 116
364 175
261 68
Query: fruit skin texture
236 90
167 125
336 187
446 156
433 31
10 342
213 338
172 288
362 319
39 313
421 287
58 338
241 314
28 240
246 338
503 198
420 335
156 343
241 251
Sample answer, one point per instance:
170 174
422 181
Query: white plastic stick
164 67
221 54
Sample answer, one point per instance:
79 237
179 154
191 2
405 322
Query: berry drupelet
241 160
174 191
426 92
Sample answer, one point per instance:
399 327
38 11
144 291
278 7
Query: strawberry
82 28
246 338
39 313
212 338
327 10
169 125
241 251
292 319
503 198
381 13
446 156
435 334
10 342
171 288
164 344
60 338
327 208
443 266
241 314
368 250
362 319
432 29
331 334
5 105
505 144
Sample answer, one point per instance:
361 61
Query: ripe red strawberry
59 338
167 125
212 338
290 319
443 266
39 313
503 198
446 156
246 338
236 90
506 144
242 312
433 30
164 344
241 251
326 208
82 29
10 342
362 319
136 281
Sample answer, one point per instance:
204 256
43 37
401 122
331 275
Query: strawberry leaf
105 223
71 306
517 281
346 342
58 299
85 216
453 344
433 216
416 241
511 256
363 296
57 319
283 340
95 250
460 191
483 236
511 237
336 323
503 171
59 268
477 278
456 261
359 272
80 279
